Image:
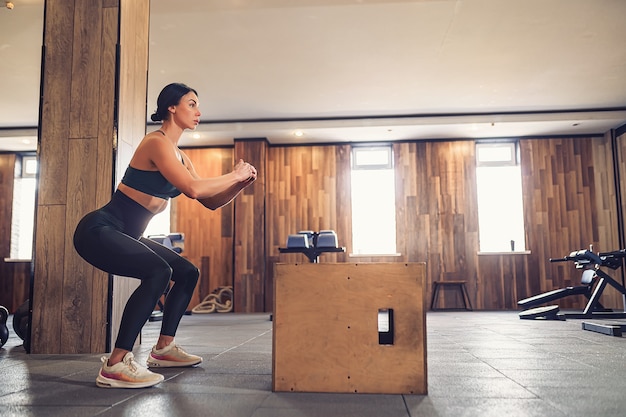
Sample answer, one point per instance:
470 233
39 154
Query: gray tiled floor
479 364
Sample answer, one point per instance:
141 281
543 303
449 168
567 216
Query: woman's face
186 113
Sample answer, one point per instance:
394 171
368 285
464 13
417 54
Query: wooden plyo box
326 324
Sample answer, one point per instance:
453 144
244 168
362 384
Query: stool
458 284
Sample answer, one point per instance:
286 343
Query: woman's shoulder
154 135
150 148
154 140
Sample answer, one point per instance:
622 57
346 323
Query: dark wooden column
249 270
87 45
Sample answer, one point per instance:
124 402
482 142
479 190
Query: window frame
514 160
387 165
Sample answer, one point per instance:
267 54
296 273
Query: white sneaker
126 374
171 356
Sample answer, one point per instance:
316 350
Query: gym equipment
327 239
611 329
4 330
297 241
21 325
220 300
174 241
545 312
312 244
595 281
338 329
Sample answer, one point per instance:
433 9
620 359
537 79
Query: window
373 201
500 207
160 224
23 218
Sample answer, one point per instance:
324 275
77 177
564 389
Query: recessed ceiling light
298 133
196 135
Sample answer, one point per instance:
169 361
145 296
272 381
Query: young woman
110 238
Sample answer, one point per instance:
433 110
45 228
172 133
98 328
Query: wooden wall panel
437 220
249 269
568 204
308 188
8 284
15 276
567 198
501 280
208 234
15 284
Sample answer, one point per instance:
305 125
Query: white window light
500 203
373 201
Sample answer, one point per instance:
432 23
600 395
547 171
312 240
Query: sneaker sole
171 364
104 382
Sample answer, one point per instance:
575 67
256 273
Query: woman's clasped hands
245 171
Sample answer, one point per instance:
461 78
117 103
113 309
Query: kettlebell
4 330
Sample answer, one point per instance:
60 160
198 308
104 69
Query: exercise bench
467 304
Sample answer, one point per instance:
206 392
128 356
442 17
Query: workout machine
594 281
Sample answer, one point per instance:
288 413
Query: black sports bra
149 182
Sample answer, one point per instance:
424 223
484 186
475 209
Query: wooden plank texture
436 212
208 234
131 115
568 203
249 251
326 328
303 193
76 153
15 277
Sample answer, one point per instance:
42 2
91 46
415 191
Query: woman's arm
213 191
226 196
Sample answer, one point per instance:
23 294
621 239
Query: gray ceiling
362 70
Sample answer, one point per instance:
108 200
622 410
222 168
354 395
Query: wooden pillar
134 18
94 62
249 289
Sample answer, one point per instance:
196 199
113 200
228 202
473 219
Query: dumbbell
4 330
327 239
20 320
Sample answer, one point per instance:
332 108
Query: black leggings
110 239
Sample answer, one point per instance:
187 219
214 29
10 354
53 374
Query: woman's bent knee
158 278
186 274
